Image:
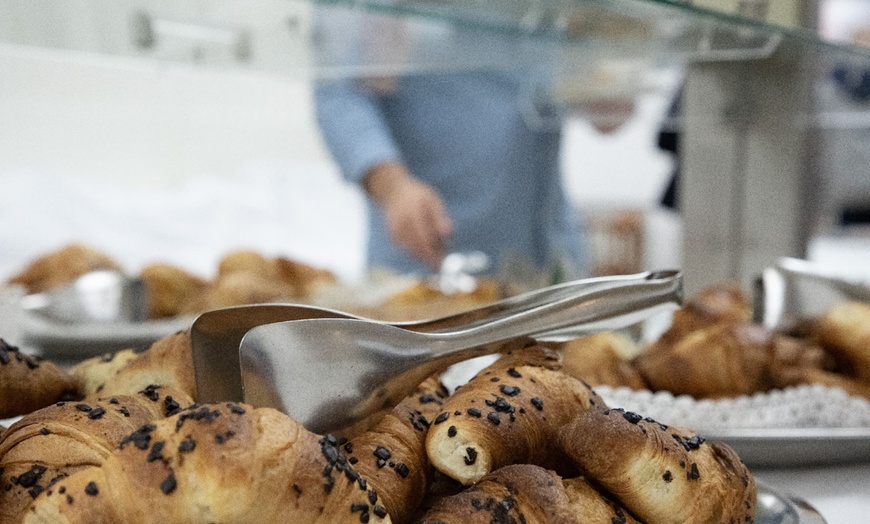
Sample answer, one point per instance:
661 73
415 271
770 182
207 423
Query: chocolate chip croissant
508 413
54 442
168 362
661 474
92 374
529 494
28 383
392 454
216 463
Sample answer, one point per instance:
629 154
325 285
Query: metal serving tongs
795 290
216 335
329 373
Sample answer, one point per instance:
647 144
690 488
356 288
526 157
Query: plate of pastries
527 439
781 397
176 295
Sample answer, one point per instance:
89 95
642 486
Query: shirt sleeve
353 127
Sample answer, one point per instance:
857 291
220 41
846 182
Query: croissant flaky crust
216 463
169 361
723 360
392 454
507 414
661 474
28 383
54 442
530 494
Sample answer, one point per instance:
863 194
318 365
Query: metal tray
797 447
83 340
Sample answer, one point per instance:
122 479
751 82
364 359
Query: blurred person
450 163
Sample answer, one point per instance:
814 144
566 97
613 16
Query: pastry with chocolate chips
168 361
216 463
28 383
392 454
529 494
661 474
92 374
51 443
507 414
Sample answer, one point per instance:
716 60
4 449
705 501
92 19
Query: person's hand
607 115
415 215
862 37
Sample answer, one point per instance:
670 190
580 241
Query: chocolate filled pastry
216 463
170 289
723 360
661 474
49 444
62 266
507 414
28 383
529 494
392 454
602 359
167 362
845 331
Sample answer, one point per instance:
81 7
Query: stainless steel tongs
329 373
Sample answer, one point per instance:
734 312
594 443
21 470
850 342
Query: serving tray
797 447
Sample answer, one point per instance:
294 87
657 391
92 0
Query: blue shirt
464 134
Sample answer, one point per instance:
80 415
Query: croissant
392 455
91 374
305 278
169 361
56 441
722 303
241 287
506 414
28 383
602 359
216 463
798 376
62 266
530 494
719 361
170 288
845 331
661 474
